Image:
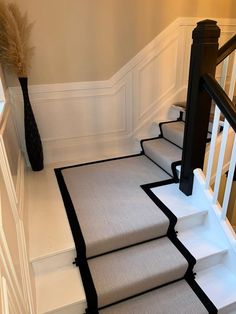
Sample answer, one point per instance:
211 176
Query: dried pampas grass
15 30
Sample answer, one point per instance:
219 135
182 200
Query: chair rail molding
95 119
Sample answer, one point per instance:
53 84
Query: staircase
172 254
135 278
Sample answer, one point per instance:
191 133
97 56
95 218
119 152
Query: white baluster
233 79
220 161
212 146
229 181
224 72
216 125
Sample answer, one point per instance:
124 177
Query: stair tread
180 204
174 132
58 289
177 298
110 193
182 107
219 284
46 212
162 152
131 271
200 243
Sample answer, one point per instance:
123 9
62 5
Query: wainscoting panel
14 264
82 116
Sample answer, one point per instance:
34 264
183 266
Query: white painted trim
229 181
24 261
4 161
11 276
22 300
28 295
205 196
8 179
5 301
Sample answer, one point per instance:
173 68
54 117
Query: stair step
219 284
174 132
109 194
46 212
183 207
54 261
206 250
134 270
176 298
60 291
162 153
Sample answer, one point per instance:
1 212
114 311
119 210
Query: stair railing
202 88
226 107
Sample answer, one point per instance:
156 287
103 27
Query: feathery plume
15 30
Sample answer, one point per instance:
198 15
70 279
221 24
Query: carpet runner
129 256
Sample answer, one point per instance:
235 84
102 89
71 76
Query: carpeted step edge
129 272
176 298
173 132
163 153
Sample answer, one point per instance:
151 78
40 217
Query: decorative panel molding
14 262
153 80
77 119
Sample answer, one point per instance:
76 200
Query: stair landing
59 288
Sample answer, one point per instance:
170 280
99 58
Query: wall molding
18 279
11 277
80 113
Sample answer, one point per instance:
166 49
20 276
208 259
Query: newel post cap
206 31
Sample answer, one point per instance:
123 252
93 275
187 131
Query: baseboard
78 150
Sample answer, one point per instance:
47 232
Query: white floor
59 287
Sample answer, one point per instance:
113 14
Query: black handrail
221 99
226 49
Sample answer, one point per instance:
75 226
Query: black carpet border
189 275
82 262
99 161
171 234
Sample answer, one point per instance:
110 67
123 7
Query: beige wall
89 40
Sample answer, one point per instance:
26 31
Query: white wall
90 120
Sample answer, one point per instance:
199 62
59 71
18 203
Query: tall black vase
32 138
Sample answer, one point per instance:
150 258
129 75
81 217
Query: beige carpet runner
130 258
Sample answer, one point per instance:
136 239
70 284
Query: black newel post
203 60
32 137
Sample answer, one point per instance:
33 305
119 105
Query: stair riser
230 309
173 135
191 221
209 261
77 308
50 263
